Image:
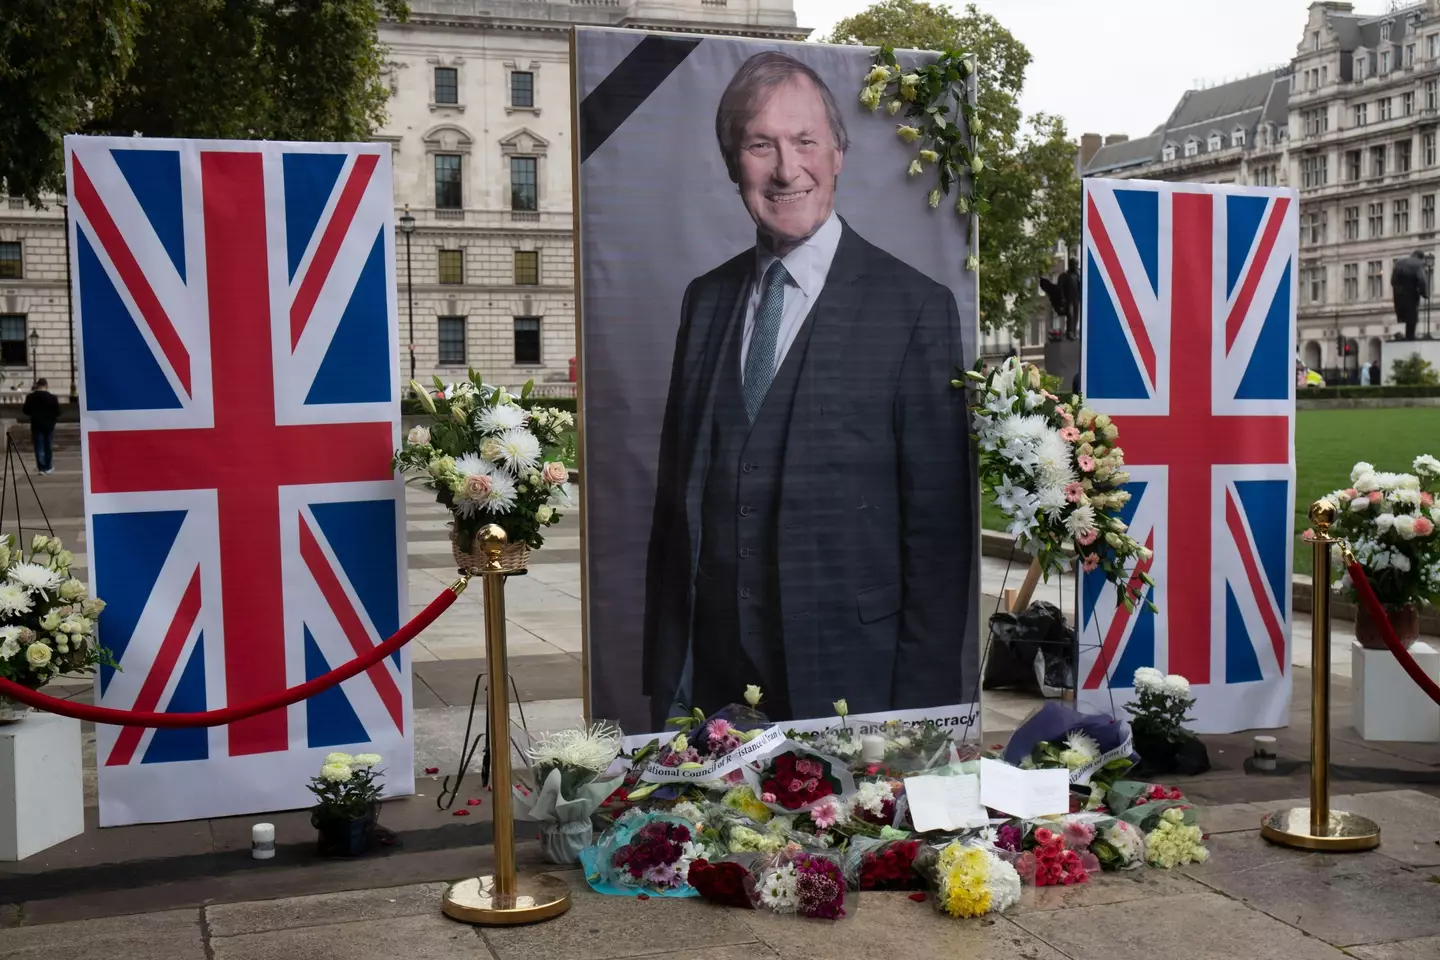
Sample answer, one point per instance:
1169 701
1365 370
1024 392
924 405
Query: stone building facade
479 123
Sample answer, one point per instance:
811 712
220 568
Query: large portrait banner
777 475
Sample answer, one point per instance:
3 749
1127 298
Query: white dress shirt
808 265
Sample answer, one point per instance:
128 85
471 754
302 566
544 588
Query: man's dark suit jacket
877 539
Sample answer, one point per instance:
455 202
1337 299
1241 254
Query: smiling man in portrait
812 529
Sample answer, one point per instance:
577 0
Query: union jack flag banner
1189 297
238 358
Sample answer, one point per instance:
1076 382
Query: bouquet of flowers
1174 842
798 779
728 882
47 618
642 853
911 747
1389 520
970 881
1158 717
1118 845
1053 862
1141 804
804 883
875 864
1094 747
569 766
875 801
485 456
1055 469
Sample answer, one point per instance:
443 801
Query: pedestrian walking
43 409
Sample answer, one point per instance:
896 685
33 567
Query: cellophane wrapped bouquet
969 880
570 772
1055 469
805 883
643 852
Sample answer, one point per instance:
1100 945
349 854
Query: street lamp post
407 227
35 352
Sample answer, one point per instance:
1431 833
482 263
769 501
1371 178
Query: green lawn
1327 444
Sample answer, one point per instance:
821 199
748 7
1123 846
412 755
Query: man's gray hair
755 79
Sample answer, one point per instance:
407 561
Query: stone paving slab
171 935
234 919
427 937
1107 888
1203 926
1344 899
1409 824
1426 948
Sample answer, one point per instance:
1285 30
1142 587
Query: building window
1377 220
1375 280
12 261
451 350
1427 149
447 85
522 89
447 181
1237 137
14 348
1314 39
1313 171
523 192
1377 161
1317 121
1313 280
1352 164
1385 31
1407 103
1360 67
1316 224
1402 156
1351 282
452 266
1324 74
1167 152
1383 105
527 267
1362 114
527 340
1192 147
1215 142
1432 95
1400 217
1427 212
1409 55
1265 176
1432 42
1384 62
1352 223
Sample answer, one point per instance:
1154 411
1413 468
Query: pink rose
477 486
1376 496
556 472
767 797
1423 527
1427 499
1069 434
1087 464
1049 396
1087 538
1351 493
1308 535
1068 417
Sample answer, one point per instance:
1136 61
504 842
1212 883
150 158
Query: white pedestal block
42 786
1392 350
1387 704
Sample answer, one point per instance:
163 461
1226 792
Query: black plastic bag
1162 757
1034 650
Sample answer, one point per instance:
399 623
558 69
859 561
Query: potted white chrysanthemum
348 807
47 619
568 769
490 460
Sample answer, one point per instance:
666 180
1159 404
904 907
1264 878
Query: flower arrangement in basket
1389 520
1055 468
485 456
47 618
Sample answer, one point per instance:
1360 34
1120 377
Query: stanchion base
1346 833
536 898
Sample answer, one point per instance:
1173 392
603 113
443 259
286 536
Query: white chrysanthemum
1081 521
1426 465
1176 685
1003 883
501 496
471 465
519 450
14 599
1054 457
1050 498
366 760
499 418
1367 482
1148 678
34 577
1406 495
871 796
1360 469
588 748
1082 744
778 891
336 772
686 810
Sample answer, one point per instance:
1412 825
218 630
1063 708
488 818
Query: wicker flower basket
513 558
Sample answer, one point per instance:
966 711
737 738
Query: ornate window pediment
524 142
447 138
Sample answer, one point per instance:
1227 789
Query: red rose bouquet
1054 864
798 779
885 865
727 883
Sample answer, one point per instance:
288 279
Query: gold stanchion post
501 899
1317 827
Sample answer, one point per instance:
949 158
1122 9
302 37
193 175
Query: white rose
1359 504
1384 522
752 694
1360 469
1405 526
544 512
72 590
51 621
1400 562
419 436
38 654
1367 482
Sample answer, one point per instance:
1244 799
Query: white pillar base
1387 704
42 785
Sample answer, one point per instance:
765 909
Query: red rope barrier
216 718
1387 632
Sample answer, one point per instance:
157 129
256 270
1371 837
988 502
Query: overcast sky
1119 66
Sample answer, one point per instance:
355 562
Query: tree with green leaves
254 69
1030 192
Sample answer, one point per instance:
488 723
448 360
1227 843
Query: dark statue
1408 283
1064 294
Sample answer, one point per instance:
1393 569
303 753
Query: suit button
744 553
744 593
744 511
747 467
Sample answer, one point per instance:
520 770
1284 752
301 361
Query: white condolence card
1024 793
945 803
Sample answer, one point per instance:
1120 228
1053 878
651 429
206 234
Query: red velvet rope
216 718
1387 632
